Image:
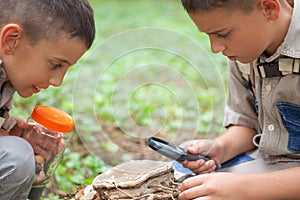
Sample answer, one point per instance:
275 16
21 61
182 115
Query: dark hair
291 2
193 6
46 19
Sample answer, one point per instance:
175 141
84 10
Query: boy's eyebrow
64 61
216 32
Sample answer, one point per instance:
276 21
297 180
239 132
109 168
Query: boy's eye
223 35
55 65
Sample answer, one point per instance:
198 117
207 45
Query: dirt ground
129 148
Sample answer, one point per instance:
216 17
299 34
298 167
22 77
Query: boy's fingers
194 148
3 132
208 167
21 122
39 151
193 165
190 183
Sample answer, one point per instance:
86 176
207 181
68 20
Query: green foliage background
114 17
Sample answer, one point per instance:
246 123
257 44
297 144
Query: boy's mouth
36 89
232 58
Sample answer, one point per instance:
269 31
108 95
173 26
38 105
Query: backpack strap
248 75
280 67
6 122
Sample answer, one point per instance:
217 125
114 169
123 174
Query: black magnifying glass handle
175 152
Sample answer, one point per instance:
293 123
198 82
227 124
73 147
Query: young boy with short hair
261 39
39 42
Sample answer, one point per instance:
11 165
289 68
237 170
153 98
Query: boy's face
32 68
239 36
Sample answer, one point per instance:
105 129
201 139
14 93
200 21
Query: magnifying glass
175 152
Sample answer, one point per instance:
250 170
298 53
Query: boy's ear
271 8
10 36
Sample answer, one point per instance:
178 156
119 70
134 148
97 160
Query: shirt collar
3 75
290 45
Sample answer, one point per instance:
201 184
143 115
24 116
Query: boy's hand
42 144
3 132
213 186
206 147
18 128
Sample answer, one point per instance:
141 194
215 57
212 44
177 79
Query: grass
149 67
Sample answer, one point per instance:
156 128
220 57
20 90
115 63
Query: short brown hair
48 19
193 6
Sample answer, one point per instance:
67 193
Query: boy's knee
17 168
17 161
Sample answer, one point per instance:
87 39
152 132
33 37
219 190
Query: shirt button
268 88
271 127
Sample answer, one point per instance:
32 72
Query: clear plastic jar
54 127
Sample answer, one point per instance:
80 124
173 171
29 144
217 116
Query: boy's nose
56 81
216 46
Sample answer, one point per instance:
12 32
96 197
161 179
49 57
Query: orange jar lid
53 118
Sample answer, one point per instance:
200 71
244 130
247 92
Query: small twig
174 183
162 187
128 195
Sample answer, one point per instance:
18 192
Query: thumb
194 147
3 132
19 127
21 123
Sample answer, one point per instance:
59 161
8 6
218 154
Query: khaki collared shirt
6 90
274 110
